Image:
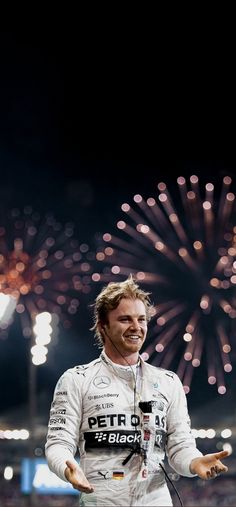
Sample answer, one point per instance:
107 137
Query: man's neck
117 358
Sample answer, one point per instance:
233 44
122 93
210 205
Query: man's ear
101 326
102 331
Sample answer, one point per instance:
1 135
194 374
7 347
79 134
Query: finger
84 489
221 454
89 490
220 469
223 469
217 470
213 473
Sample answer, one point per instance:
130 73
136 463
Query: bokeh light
181 246
42 268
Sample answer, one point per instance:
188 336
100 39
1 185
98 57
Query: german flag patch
118 476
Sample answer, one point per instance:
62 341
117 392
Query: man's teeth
133 337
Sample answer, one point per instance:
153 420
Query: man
123 414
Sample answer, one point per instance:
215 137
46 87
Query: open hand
75 475
209 466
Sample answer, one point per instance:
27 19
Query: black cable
172 484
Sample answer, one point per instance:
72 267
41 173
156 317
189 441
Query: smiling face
125 331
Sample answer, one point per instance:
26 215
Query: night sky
83 129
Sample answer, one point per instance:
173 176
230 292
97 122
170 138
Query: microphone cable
172 484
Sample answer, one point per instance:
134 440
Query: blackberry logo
100 436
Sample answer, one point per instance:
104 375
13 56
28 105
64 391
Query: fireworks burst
184 249
42 267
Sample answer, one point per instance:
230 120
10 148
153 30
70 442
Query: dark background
87 121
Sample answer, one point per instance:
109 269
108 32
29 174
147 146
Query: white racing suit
123 420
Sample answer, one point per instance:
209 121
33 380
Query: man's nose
135 324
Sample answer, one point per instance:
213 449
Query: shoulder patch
169 374
81 369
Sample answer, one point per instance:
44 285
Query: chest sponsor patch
112 439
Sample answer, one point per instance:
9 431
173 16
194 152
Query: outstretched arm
75 475
209 466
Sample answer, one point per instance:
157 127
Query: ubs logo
101 382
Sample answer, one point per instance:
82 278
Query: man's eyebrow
131 316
